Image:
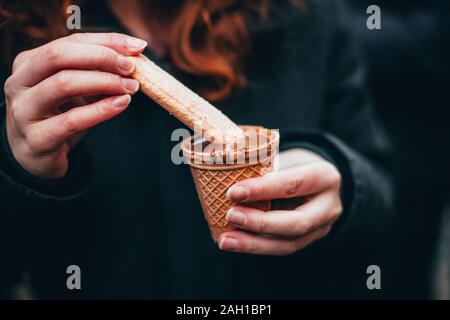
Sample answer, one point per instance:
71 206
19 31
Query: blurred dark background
409 76
408 64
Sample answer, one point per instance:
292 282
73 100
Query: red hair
207 38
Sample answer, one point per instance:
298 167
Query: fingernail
131 85
229 244
237 193
121 101
125 64
235 217
136 44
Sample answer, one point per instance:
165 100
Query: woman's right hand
59 90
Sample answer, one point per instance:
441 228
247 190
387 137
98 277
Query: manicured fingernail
125 64
122 101
136 44
235 217
131 85
229 244
237 193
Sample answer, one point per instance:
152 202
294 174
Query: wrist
44 166
15 167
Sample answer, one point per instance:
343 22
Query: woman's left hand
310 187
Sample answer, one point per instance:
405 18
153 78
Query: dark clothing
131 219
409 76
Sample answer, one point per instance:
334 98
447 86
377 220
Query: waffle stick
184 104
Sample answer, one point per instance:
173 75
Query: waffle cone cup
212 180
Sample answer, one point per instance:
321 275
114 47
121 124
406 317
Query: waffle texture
212 181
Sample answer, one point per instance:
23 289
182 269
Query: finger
294 157
21 58
319 211
121 43
50 133
61 56
59 88
294 182
244 242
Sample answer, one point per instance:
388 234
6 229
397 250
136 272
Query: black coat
131 219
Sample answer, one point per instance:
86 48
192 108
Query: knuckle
114 38
100 109
337 209
263 191
34 141
14 106
62 81
335 177
104 54
15 101
113 79
13 110
333 174
75 37
54 52
303 226
291 247
111 37
262 225
325 166
8 87
252 247
326 230
294 186
19 59
71 123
